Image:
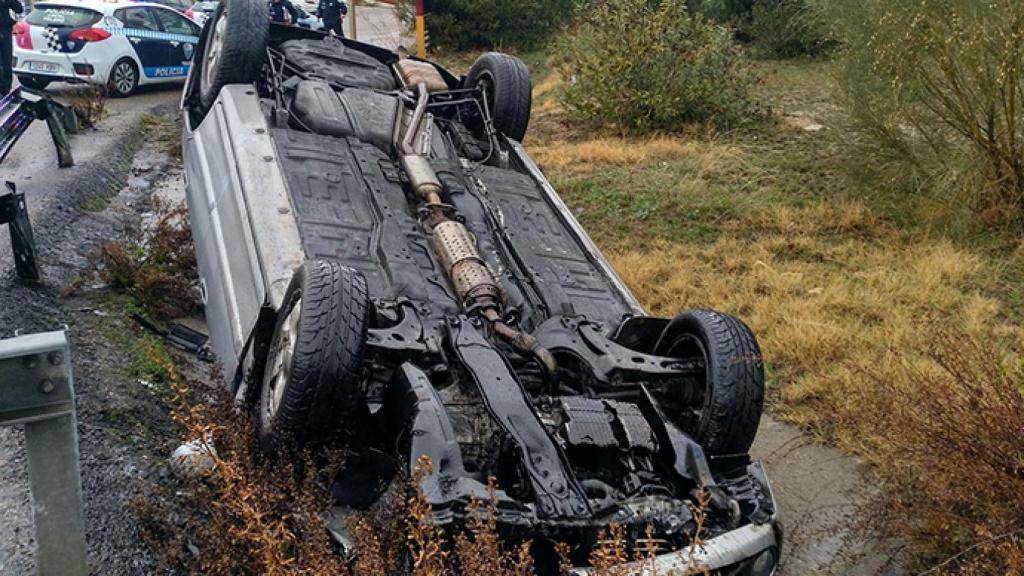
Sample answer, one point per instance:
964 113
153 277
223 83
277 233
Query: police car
121 45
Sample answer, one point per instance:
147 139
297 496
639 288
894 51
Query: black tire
123 78
724 412
235 46
509 93
33 82
312 384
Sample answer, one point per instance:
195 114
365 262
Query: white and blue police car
121 45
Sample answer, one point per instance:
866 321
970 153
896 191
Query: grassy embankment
890 320
773 223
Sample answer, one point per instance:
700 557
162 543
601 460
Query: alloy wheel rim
283 355
214 51
124 77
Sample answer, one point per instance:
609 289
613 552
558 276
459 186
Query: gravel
121 429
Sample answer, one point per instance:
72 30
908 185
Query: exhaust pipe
476 286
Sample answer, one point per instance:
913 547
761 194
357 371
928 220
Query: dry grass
822 301
245 514
89 103
588 156
398 536
951 426
155 264
846 282
481 550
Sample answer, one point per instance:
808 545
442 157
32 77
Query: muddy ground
126 433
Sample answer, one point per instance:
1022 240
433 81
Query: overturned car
383 265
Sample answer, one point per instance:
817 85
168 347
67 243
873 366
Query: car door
181 36
143 31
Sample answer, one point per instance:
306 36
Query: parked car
384 266
201 11
121 45
179 5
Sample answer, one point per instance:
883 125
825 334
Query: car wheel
509 94
235 46
723 410
312 384
33 82
124 78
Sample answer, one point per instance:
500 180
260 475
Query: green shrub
788 28
643 65
937 87
722 10
519 24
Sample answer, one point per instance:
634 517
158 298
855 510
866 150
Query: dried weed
156 265
245 514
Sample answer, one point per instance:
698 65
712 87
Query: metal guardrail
14 214
17 111
20 107
37 390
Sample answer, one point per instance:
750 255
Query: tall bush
722 10
643 65
519 24
788 28
940 86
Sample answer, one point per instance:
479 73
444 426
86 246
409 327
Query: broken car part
180 336
20 107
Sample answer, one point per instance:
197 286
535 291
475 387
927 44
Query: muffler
476 286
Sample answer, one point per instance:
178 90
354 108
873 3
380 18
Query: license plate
43 67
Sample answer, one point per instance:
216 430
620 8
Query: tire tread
324 387
734 401
513 96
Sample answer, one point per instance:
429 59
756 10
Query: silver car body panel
241 216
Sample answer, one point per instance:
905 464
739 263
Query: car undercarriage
386 268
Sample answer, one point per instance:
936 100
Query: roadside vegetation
493 24
627 73
864 217
89 103
153 263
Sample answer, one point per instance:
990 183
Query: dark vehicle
384 265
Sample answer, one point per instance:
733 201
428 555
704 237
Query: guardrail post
37 390
14 213
56 122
